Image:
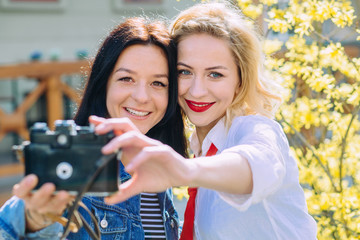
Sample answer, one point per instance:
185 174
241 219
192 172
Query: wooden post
49 76
54 97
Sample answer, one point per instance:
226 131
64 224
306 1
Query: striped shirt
151 218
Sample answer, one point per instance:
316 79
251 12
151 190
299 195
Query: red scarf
189 216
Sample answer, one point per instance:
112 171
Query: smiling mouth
136 112
199 106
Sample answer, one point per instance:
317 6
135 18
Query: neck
201 134
202 131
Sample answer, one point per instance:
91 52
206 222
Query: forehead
203 47
141 52
142 60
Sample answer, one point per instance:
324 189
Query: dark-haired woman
133 75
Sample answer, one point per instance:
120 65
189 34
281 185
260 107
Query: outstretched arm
157 168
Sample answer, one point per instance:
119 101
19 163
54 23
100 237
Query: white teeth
137 113
200 105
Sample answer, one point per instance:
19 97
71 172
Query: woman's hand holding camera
154 166
125 132
40 204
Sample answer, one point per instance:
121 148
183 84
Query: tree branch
304 141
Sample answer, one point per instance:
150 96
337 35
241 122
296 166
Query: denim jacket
120 221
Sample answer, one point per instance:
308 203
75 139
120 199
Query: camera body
68 156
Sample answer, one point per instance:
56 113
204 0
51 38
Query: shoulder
254 123
256 129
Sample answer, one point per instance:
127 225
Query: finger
41 198
58 203
101 129
126 190
96 120
131 139
118 125
147 154
24 188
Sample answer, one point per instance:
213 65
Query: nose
198 87
141 93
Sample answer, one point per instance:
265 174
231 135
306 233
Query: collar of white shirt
217 135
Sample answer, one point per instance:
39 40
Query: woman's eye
184 72
215 75
159 84
125 79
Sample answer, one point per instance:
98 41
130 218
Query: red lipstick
199 106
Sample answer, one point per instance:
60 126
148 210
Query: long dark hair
170 130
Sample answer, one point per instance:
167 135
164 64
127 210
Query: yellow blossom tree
320 113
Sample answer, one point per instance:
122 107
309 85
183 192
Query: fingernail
106 148
30 179
129 167
99 127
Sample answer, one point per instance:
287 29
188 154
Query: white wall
80 25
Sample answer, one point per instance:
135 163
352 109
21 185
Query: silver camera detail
64 170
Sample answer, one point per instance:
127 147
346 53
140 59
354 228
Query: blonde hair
225 21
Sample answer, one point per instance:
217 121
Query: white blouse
276 209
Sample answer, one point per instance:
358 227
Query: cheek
183 86
109 97
109 102
115 97
161 101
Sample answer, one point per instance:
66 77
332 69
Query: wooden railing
48 75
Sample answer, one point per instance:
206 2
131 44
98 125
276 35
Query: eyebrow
209 68
161 75
133 72
125 70
183 64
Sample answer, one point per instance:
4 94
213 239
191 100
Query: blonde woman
249 189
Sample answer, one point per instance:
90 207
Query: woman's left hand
124 130
153 165
154 169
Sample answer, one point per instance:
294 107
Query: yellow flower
269 2
252 11
272 46
180 192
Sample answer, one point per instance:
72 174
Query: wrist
35 221
191 173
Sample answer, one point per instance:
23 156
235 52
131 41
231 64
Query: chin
144 130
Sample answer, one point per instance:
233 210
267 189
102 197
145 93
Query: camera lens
64 170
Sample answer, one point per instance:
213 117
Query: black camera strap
73 213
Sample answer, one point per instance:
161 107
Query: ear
237 90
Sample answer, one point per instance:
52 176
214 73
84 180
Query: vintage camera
68 157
